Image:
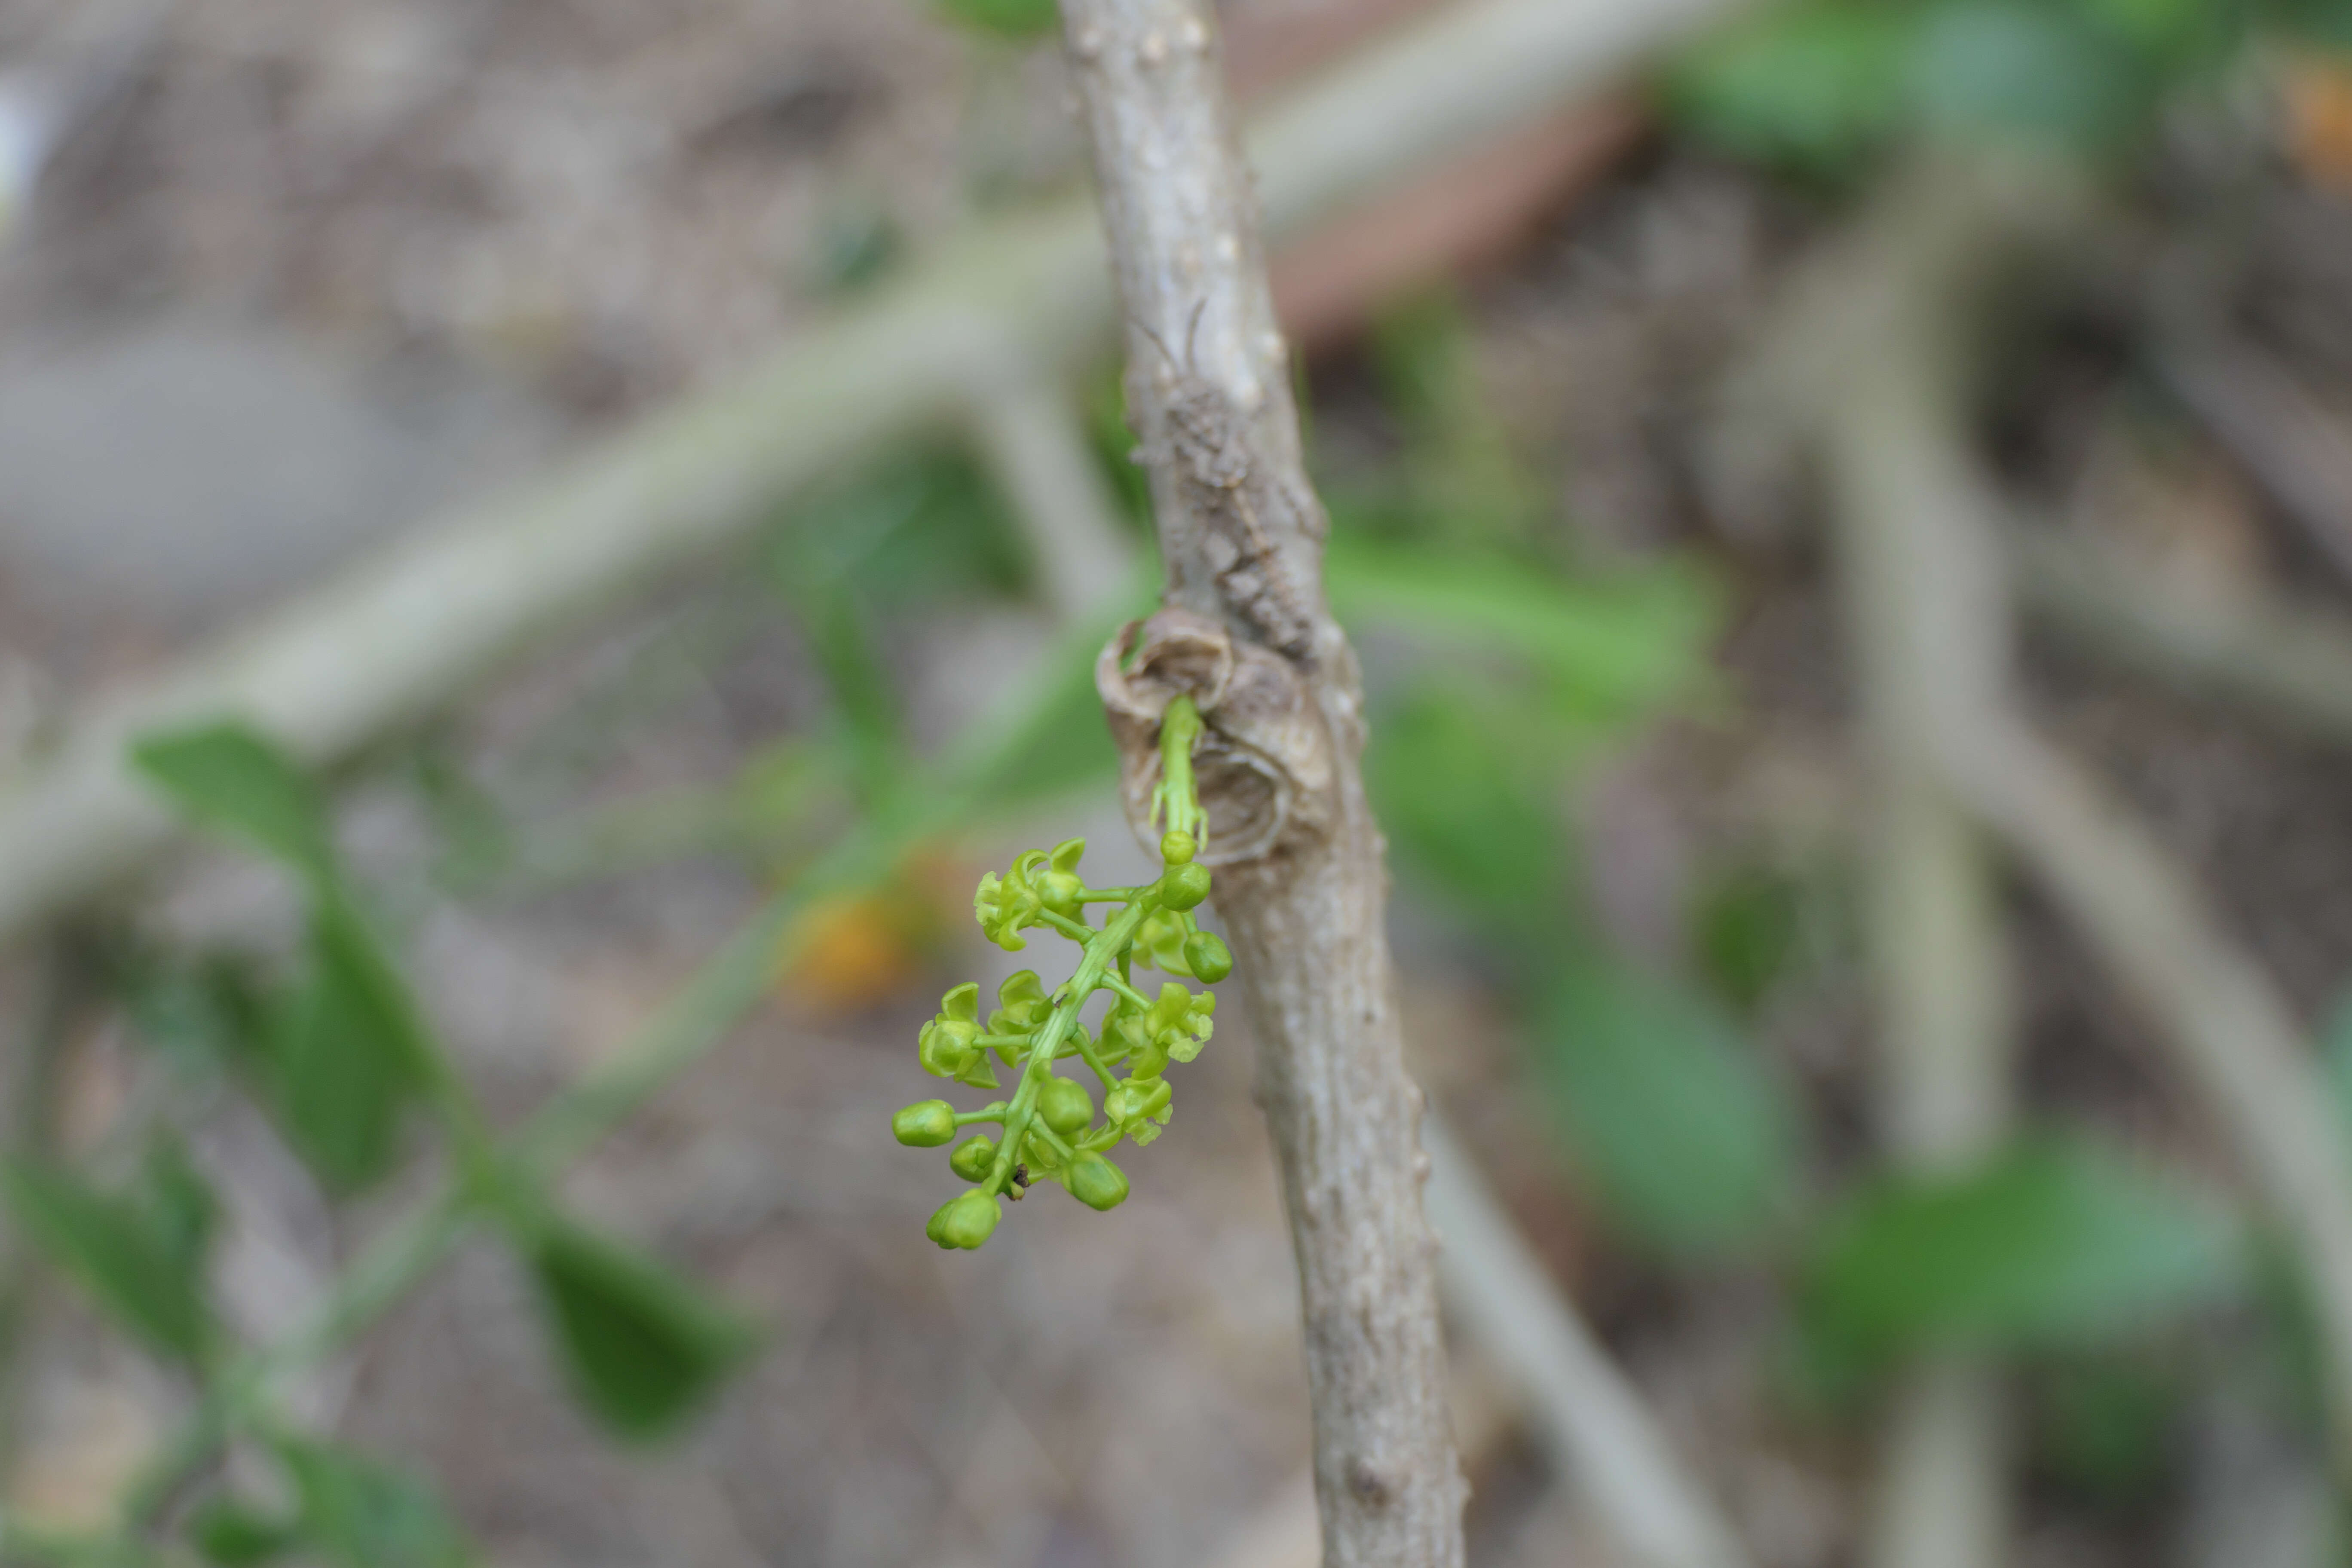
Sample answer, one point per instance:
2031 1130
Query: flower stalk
1049 1129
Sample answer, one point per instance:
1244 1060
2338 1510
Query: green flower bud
1096 1183
1178 848
1183 887
925 1124
1041 1157
1206 955
972 1157
963 1222
1066 1106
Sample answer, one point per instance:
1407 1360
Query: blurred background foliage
1515 655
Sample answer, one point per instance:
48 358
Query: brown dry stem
1300 882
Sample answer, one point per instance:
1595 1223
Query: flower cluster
1047 1129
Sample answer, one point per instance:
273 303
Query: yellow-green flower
1180 1022
1004 905
1139 1107
1160 943
948 1046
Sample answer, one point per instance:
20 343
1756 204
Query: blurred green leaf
228 776
1115 446
1813 87
1821 85
1459 789
350 1054
235 1535
1607 650
203 1016
2324 22
857 245
1011 18
1687 1138
140 1261
361 1514
2025 69
643 1346
1459 480
181 1210
2108 1424
923 524
2052 1241
1072 746
2336 1047
1750 931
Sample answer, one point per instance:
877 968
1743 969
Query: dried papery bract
1245 635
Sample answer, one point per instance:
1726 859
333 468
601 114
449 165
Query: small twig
2257 651
1032 441
1928 629
1595 1424
2296 450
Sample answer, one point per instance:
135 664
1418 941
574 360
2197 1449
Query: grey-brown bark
1299 880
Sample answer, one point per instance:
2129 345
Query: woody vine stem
1246 637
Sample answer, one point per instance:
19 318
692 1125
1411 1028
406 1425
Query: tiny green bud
972 1157
1059 891
1207 956
1178 848
925 1124
964 1221
1096 1183
1183 887
1066 1106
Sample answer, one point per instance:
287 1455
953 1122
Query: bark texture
1301 878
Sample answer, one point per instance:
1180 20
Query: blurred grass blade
2053 1241
1008 18
360 1514
1608 649
146 1271
1465 794
232 1534
228 777
1688 1140
643 1346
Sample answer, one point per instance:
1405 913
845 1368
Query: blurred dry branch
2231 1034
1928 628
1592 1421
405 635
1025 428
2283 659
2296 450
